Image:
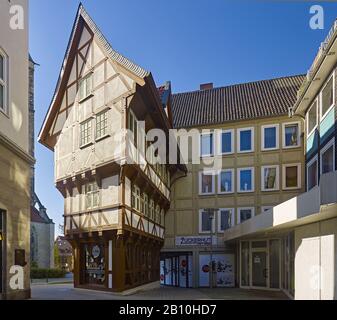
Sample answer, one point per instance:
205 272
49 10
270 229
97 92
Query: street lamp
211 219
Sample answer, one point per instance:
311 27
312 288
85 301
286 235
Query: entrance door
259 269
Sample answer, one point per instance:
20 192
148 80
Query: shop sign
195 241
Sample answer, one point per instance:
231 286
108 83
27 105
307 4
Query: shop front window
94 264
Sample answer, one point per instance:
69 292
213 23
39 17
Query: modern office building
15 159
294 245
252 159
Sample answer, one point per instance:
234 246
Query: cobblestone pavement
67 292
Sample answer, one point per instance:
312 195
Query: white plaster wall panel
85 37
65 140
67 204
82 199
135 220
129 81
111 216
87 54
116 120
98 54
63 165
72 92
76 219
115 88
85 110
95 219
109 191
80 65
67 223
127 192
61 118
64 102
98 77
81 158
151 227
99 98
75 200
146 225
73 75
76 134
110 71
85 222
128 221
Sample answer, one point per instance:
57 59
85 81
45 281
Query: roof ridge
240 84
115 55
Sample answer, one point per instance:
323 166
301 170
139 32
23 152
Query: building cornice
12 146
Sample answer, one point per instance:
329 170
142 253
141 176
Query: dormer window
3 81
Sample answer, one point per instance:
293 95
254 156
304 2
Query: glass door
259 269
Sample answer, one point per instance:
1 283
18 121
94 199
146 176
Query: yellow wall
183 217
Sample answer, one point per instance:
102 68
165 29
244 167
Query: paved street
67 292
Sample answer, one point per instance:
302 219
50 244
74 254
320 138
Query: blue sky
187 42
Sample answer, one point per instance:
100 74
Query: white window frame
95 192
324 149
90 133
5 82
213 144
277 127
277 183
137 198
239 140
88 91
200 223
284 146
223 131
322 116
232 210
213 174
105 122
284 166
314 159
233 181
307 118
244 208
238 179
264 209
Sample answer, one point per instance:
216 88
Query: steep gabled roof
245 101
82 17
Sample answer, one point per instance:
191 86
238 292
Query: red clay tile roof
251 100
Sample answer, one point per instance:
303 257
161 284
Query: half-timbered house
115 199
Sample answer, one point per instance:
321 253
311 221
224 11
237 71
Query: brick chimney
206 86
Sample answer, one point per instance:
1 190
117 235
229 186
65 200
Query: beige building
257 161
15 161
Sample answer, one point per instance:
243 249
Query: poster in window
162 272
223 273
168 272
183 271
